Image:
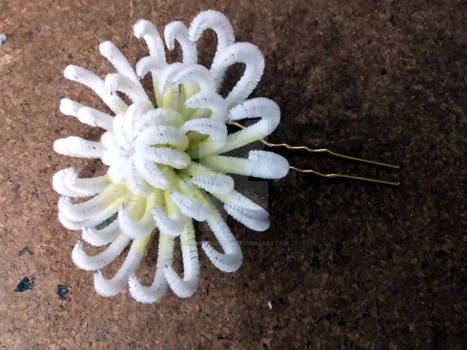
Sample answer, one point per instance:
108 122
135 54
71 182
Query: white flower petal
150 64
171 226
94 210
264 108
93 117
134 90
218 183
253 219
162 135
67 183
95 262
245 211
69 107
159 285
167 75
143 29
216 130
190 207
262 164
113 286
98 238
151 172
74 146
253 59
231 260
164 155
195 74
92 81
155 117
216 21
186 287
211 101
70 224
178 31
135 181
134 228
117 59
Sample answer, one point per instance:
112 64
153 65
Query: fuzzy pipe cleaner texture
165 162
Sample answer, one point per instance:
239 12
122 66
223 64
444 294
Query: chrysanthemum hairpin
165 162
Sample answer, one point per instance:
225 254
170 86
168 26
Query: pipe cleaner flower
165 162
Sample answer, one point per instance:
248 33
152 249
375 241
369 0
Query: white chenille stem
196 74
211 101
92 81
134 90
60 181
163 135
178 31
231 260
171 226
167 75
253 219
185 287
110 287
144 29
70 224
239 200
262 164
151 172
93 117
121 132
245 211
70 107
151 294
149 64
67 183
117 59
253 59
133 114
134 228
74 146
191 200
190 207
135 181
216 130
218 183
216 21
98 238
164 155
159 116
83 210
264 108
95 262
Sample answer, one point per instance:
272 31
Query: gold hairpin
335 154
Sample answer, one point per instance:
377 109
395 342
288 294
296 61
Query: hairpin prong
335 154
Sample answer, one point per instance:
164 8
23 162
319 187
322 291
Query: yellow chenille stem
141 243
170 205
150 203
111 193
189 189
136 206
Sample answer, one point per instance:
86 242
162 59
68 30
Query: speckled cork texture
345 264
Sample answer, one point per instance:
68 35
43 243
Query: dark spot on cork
25 284
62 291
25 250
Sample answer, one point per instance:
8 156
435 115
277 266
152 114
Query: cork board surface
345 265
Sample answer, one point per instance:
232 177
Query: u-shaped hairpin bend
335 154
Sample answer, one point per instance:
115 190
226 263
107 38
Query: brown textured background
365 266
